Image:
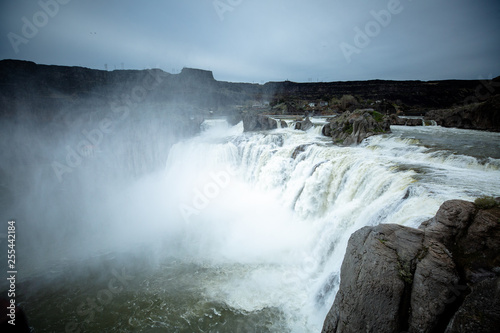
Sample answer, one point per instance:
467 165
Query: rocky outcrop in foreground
442 277
352 128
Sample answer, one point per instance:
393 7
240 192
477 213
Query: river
246 232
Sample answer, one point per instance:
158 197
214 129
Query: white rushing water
278 207
246 232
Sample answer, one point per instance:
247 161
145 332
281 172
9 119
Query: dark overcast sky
262 40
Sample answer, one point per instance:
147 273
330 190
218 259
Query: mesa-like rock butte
44 91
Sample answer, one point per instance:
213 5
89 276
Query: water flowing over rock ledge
349 128
442 277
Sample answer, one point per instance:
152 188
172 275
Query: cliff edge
442 277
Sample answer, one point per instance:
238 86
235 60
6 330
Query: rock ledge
442 277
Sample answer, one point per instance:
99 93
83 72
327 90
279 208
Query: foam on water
294 200
253 227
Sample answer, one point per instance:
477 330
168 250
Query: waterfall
247 231
424 121
292 200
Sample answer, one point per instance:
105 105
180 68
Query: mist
135 219
141 203
85 184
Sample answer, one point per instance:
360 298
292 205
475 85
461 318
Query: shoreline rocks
480 116
442 277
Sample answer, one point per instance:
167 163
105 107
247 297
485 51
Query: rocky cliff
442 277
44 91
28 86
481 116
413 94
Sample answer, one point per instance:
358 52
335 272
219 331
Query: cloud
268 40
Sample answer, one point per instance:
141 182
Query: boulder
374 278
395 120
442 277
414 122
352 128
304 124
258 122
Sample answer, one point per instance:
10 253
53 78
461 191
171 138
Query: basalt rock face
415 94
46 91
480 116
442 277
352 128
41 89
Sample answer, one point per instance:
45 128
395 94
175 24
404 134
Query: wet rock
304 124
373 280
299 150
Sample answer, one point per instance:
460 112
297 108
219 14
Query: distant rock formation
40 89
480 116
352 128
414 94
442 277
195 74
46 91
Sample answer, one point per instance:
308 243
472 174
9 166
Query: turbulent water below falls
246 232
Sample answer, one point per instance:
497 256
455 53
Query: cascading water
246 232
422 119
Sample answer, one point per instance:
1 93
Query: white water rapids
239 232
281 206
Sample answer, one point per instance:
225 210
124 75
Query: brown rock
442 277
352 128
